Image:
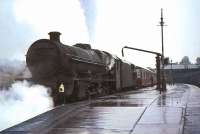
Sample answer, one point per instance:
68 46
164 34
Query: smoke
19 97
65 16
89 9
111 63
13 67
9 70
22 101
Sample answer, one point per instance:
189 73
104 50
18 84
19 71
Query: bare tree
198 60
185 60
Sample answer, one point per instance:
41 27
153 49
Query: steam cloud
11 70
20 100
25 100
11 66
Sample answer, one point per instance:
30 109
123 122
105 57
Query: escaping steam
22 101
111 63
19 100
13 67
11 70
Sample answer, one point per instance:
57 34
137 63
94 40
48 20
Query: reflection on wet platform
136 112
122 103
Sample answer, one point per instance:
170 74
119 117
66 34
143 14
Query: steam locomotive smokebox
50 58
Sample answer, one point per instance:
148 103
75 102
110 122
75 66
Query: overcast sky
106 24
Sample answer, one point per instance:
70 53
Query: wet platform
176 111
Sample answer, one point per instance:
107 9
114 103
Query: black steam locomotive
78 71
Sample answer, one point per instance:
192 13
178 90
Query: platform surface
176 111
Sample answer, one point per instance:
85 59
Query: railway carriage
145 77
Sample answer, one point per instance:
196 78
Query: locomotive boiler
46 58
80 69
77 72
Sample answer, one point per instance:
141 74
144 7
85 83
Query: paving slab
165 114
192 112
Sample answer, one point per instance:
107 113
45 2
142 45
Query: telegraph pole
162 57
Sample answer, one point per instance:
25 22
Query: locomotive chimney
54 36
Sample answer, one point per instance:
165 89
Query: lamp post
162 57
172 81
